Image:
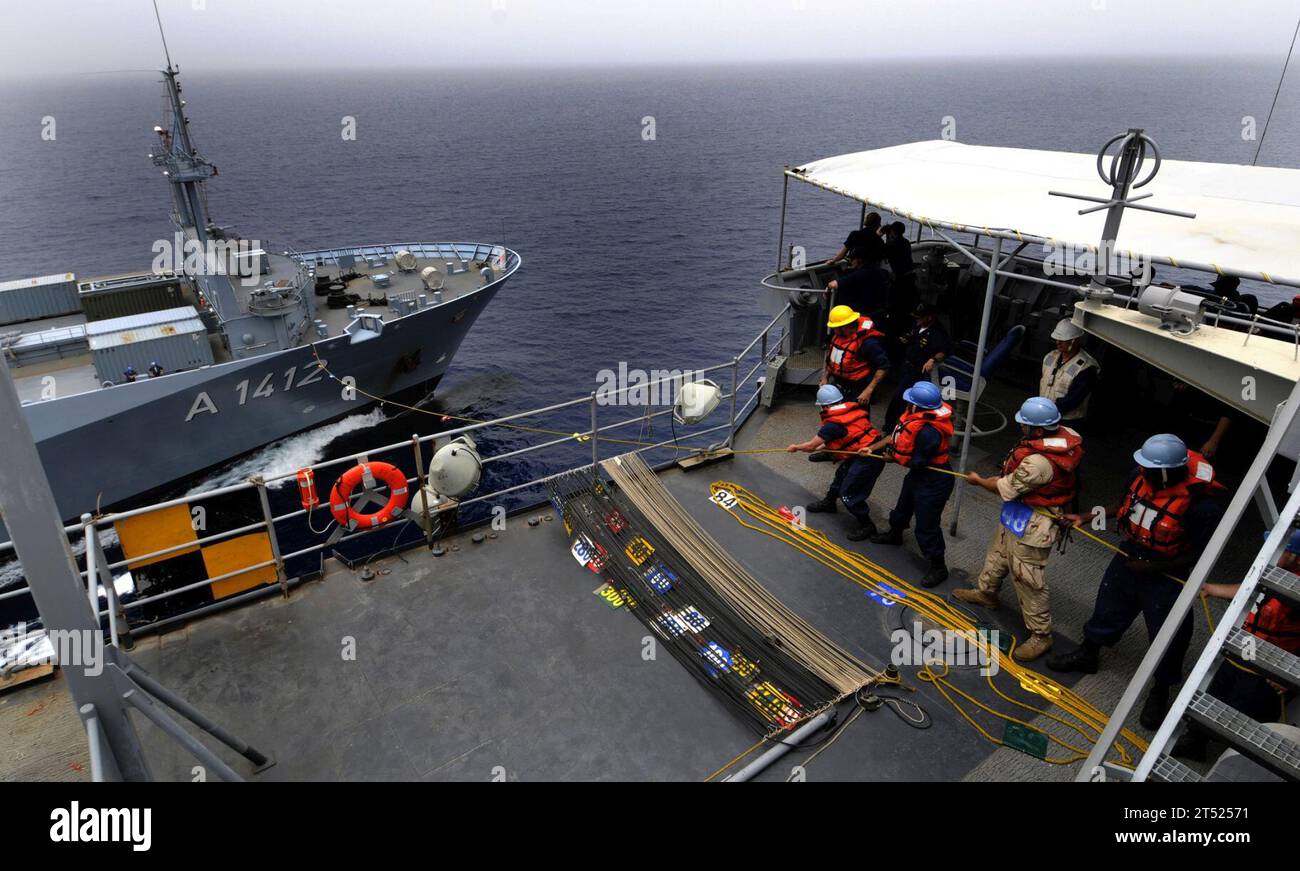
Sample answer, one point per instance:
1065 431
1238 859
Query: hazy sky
50 36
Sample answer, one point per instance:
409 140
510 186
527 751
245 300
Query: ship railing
102 593
466 252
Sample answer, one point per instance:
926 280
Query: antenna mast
167 54
186 171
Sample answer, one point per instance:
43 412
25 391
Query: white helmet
1066 330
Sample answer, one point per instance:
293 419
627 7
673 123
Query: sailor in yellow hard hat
856 361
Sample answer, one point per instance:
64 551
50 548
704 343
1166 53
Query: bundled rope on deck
642 487
753 674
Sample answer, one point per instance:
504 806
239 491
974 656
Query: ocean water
639 250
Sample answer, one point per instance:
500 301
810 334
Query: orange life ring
370 473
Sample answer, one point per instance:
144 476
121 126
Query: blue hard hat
1038 411
829 394
924 394
130 370
1164 451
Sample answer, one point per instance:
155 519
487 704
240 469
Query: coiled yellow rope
1078 715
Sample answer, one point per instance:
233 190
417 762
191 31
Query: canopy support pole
780 238
995 265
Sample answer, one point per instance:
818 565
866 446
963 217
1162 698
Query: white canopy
1247 217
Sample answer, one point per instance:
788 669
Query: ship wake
288 455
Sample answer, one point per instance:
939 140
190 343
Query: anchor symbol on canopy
1123 176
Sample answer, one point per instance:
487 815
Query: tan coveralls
1025 558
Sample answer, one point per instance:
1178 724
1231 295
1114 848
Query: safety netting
755 667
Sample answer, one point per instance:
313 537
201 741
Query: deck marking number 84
725 498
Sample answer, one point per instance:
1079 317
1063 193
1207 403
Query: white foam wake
12 572
288 455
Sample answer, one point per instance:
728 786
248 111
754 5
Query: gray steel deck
282 268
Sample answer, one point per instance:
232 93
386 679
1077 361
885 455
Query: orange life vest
1063 449
910 425
854 419
1153 519
842 359
1276 622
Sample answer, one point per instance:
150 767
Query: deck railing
99 570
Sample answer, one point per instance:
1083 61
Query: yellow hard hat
841 315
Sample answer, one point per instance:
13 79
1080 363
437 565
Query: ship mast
186 170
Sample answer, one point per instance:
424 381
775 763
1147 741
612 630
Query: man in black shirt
898 250
924 347
864 288
902 288
865 239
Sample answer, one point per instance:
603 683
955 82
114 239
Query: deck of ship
496 660
455 283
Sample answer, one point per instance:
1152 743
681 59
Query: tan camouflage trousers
1027 567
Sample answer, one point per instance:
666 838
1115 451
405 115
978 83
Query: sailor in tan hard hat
1069 374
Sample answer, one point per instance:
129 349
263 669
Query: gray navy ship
220 347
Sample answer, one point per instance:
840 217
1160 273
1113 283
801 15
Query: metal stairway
1194 705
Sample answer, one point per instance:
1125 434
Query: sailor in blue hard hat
845 433
1164 451
1166 517
1037 482
130 374
1038 411
828 394
925 395
920 442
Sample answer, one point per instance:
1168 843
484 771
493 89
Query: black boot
820 457
1155 708
894 535
866 529
937 574
1193 744
1083 659
824 505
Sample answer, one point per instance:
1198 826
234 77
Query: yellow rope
1083 718
756 745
